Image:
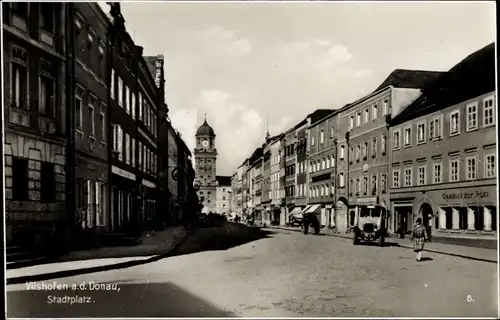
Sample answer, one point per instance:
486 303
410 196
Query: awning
313 208
295 212
306 208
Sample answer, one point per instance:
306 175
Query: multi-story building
363 137
35 100
266 182
206 166
257 170
301 165
245 188
233 197
278 215
172 163
223 194
444 154
289 178
185 177
134 103
321 157
240 194
90 130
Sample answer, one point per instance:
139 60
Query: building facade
289 178
321 167
363 124
278 215
206 166
444 154
223 194
35 122
301 165
266 182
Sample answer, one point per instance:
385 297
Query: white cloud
223 42
280 126
319 53
239 129
362 73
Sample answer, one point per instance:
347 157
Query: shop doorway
426 212
404 219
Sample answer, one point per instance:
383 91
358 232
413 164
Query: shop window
478 218
48 182
19 179
449 218
463 218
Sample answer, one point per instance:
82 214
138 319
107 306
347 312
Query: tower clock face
205 143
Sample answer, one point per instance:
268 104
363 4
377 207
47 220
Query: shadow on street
376 244
139 300
223 237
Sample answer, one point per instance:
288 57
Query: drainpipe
71 201
347 179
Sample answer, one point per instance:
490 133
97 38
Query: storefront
122 200
469 212
148 195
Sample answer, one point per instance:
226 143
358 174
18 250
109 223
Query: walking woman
419 237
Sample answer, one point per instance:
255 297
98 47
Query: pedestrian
419 237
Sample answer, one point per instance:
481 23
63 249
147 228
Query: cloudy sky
243 63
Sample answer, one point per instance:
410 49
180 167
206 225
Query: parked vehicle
371 225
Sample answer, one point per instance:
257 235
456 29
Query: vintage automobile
371 225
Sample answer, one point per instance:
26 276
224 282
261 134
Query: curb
404 246
127 264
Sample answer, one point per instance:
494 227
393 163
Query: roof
259 152
410 79
205 130
470 78
223 181
151 64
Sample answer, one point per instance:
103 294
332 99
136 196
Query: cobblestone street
288 274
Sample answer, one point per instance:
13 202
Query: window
342 151
132 142
421 132
321 137
488 112
374 184
47 17
47 182
396 138
91 116
19 179
358 152
117 139
139 154
120 92
312 141
101 66
112 86
421 175
351 122
133 105
46 103
365 150
383 145
395 178
102 124
386 107
471 168
490 166
358 119
127 148
408 177
454 122
20 9
19 78
383 182
140 106
407 138
341 180
365 184
374 147
454 170
127 99
367 115
358 186
374 111
471 116
437 173
435 128
78 111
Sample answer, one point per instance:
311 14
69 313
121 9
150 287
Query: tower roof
205 130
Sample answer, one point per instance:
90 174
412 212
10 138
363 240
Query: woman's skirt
418 244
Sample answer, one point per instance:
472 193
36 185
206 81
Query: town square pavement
287 274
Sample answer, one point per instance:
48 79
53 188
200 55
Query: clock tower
205 156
